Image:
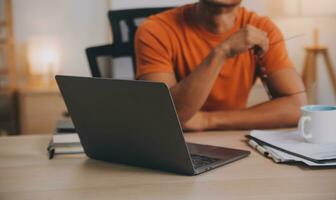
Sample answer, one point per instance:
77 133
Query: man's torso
190 44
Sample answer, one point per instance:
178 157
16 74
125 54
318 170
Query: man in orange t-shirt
209 54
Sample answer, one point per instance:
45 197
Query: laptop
135 123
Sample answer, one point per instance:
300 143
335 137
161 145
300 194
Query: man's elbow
297 101
300 100
183 110
183 115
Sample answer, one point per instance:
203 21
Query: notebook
66 138
65 126
65 141
282 157
291 143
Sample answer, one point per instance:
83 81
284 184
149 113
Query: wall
124 4
76 23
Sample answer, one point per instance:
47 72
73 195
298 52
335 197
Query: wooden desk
26 173
40 108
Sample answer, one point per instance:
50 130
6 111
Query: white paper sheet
291 141
283 157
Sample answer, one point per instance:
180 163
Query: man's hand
199 122
246 38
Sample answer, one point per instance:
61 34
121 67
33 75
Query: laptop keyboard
199 161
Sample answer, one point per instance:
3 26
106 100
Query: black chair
123 44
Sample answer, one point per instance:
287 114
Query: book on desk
65 141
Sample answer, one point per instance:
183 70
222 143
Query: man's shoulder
166 20
252 18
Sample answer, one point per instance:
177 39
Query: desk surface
26 173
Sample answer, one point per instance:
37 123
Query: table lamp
44 60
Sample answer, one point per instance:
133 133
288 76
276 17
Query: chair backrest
124 24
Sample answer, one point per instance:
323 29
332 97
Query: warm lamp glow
44 55
48 56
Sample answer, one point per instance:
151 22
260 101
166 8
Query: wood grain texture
26 173
330 68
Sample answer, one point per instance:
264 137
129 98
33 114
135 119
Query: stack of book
65 141
289 147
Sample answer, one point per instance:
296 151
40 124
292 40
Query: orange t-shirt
171 42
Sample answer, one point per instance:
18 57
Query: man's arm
283 111
191 93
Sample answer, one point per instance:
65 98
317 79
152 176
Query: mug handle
302 122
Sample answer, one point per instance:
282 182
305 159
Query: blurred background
41 38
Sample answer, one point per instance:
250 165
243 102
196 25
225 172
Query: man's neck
214 18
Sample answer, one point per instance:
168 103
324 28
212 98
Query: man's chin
221 4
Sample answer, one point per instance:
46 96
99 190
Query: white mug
318 124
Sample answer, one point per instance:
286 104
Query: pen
259 148
264 151
275 156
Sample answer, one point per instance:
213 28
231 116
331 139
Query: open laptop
135 123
